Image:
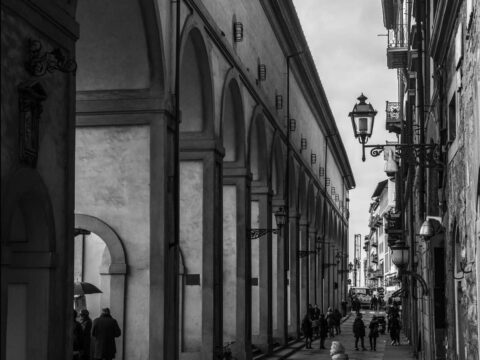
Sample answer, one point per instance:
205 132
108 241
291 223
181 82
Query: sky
351 58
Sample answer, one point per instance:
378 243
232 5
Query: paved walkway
384 349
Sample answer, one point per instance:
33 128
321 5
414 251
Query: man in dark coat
373 334
77 337
359 331
307 330
322 330
104 331
86 323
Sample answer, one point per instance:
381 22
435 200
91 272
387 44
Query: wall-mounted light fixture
237 31
262 72
292 125
431 226
400 258
303 143
363 116
278 102
280 218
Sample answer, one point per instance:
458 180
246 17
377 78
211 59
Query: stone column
294 280
263 340
312 265
201 223
304 276
281 331
318 274
237 307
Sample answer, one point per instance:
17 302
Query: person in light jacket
104 331
337 351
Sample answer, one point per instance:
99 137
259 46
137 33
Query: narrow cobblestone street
384 349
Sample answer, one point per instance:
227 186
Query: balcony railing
397 47
393 123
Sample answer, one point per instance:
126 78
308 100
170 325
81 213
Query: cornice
285 23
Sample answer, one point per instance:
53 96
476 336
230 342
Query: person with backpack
359 331
307 330
373 334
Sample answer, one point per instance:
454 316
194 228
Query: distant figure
307 331
374 303
338 319
77 337
104 331
337 351
330 321
86 324
344 307
394 330
316 311
359 331
373 334
322 330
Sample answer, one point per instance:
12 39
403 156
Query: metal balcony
397 50
393 122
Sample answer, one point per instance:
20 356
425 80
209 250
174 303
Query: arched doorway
100 259
28 261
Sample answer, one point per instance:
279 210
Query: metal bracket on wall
257 233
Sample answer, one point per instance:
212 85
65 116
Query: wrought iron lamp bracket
419 278
257 233
431 152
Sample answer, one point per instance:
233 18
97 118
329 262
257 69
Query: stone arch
233 120
196 84
28 247
278 168
113 274
258 151
112 56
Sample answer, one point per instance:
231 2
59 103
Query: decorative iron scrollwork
257 233
39 63
376 151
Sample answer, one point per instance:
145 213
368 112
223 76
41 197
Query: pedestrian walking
359 331
394 327
104 331
322 330
330 321
86 324
373 303
77 337
337 351
338 319
307 330
373 334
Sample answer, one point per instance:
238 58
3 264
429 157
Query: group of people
94 340
359 332
320 324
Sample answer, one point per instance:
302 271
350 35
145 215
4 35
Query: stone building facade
434 45
187 130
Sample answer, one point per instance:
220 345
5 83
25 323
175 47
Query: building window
452 119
